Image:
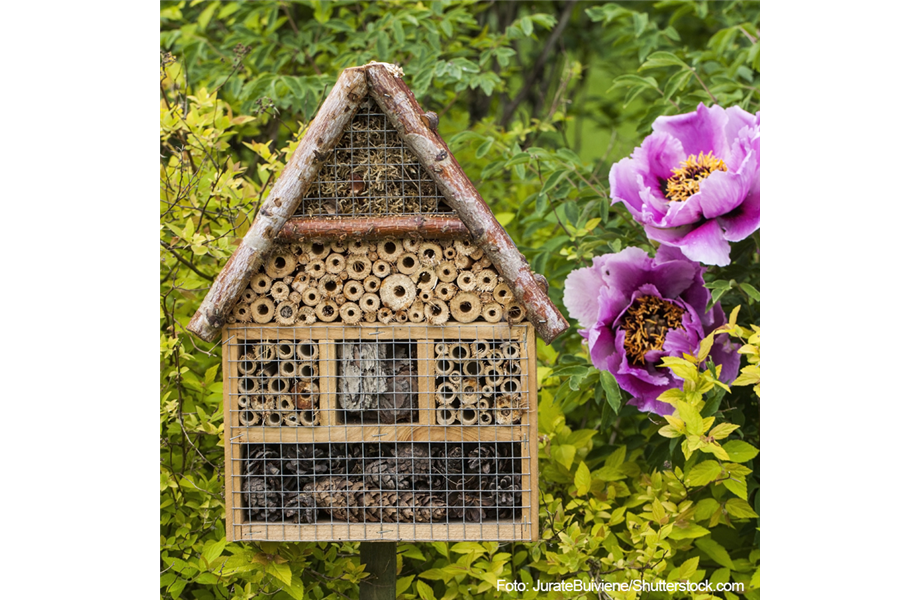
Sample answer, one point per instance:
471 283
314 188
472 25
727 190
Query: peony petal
657 158
700 131
722 192
654 406
582 289
625 185
704 244
725 353
744 220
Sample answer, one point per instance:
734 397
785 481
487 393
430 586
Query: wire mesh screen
371 172
392 281
336 431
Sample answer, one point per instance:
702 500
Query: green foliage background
536 100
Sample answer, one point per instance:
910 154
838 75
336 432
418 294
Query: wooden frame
425 430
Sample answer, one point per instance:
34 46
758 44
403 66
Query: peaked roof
418 131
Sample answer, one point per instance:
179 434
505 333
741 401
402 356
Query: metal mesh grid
364 451
371 172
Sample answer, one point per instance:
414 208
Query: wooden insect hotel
378 327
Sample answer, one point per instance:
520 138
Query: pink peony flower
637 309
695 182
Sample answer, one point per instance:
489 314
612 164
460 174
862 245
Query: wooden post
380 560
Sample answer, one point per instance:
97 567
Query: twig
185 262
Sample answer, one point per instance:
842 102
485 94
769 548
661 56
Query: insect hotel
378 327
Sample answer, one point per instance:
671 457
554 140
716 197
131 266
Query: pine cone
411 464
400 399
264 461
421 508
261 496
300 508
506 490
481 460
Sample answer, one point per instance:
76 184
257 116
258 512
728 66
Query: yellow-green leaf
703 473
715 551
582 479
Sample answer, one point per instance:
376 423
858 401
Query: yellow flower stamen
646 323
686 179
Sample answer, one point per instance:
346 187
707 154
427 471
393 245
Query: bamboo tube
358 247
426 296
437 312
307 351
411 244
343 276
469 391
262 403
351 313
463 261
286 313
459 351
510 386
466 281
290 418
483 404
287 368
242 402
443 365
482 263
513 368
306 370
318 250
280 264
242 312
487 390
397 292
455 378
465 307
265 352
445 393
338 246
450 253
307 417
480 348
477 253
305 316
471 368
492 312
316 268
260 283
389 250
306 395
516 313
246 365
445 291
330 286
430 253
503 402
485 417
358 266
486 280
327 311
370 316
464 247
408 263
372 255
311 296
503 294
441 349
486 298
384 315
277 385
249 418
446 416
353 290
248 296
381 269
425 278
272 419
417 312
492 376
268 371
284 403
369 302
446 271
263 310
335 263
372 284
495 357
401 316
504 416
469 416
510 350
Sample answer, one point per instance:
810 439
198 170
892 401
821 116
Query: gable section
371 172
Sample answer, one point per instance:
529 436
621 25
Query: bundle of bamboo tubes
408 280
478 383
278 383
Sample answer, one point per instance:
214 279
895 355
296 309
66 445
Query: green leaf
484 147
740 451
582 479
715 551
282 572
403 583
691 418
467 547
213 548
737 507
703 473
662 59
751 291
688 533
688 567
424 590
611 390
564 454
